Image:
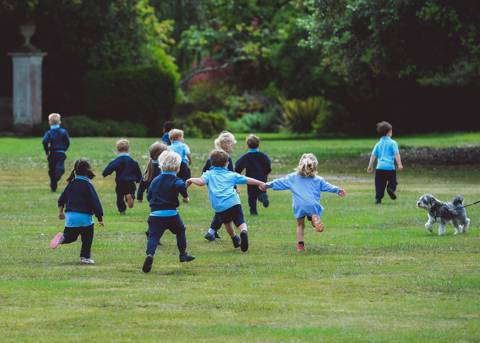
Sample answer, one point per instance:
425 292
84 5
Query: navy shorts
233 214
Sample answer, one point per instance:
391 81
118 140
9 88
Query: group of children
168 175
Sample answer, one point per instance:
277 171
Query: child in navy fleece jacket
55 142
127 174
80 201
257 165
163 197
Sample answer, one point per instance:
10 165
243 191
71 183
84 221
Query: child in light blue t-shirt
224 198
306 188
177 145
386 153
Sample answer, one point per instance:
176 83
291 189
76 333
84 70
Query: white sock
244 230
211 231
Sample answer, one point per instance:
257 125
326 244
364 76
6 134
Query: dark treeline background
253 63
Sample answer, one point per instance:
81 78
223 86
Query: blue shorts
233 214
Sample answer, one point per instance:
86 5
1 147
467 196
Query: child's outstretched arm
110 168
398 159
279 184
328 187
196 181
255 182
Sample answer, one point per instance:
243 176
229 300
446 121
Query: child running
306 188
224 198
127 174
257 165
167 127
226 141
178 146
55 142
153 170
163 197
386 152
80 201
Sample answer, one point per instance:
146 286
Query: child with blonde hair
225 141
163 198
55 143
306 188
127 173
177 145
152 170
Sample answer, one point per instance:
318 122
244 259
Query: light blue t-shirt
220 182
180 148
385 151
306 192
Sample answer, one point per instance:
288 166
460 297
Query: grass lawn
375 275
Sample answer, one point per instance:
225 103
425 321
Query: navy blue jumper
144 184
55 143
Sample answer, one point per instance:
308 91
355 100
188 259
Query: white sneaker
84 260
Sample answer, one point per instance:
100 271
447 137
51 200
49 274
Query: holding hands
341 192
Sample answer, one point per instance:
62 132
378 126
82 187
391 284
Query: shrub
258 121
83 126
301 116
203 124
209 96
145 93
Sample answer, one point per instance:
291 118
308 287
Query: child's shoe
300 247
129 200
147 265
186 257
263 198
56 240
244 241
378 201
253 213
209 237
84 260
317 223
391 194
236 241
217 236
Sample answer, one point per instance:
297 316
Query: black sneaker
209 237
186 257
236 241
391 194
217 236
244 241
263 198
378 201
253 213
147 265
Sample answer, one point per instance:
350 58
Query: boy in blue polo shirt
127 173
163 197
386 153
178 146
224 198
55 142
257 165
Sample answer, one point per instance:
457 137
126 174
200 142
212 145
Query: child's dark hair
155 150
253 141
81 168
168 125
383 128
218 158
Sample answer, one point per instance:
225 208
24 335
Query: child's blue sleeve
97 205
279 184
240 179
181 187
375 150
327 187
67 140
138 172
110 168
205 177
395 148
63 198
46 141
239 165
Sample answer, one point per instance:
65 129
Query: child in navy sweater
127 174
80 201
55 142
163 197
153 170
226 141
257 165
167 127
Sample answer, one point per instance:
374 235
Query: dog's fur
443 212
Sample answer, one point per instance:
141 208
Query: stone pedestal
27 89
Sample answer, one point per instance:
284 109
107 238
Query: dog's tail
458 201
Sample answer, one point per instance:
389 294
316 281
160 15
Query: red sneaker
300 247
57 239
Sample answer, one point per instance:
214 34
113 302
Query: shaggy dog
444 212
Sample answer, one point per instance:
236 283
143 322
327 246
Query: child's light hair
54 118
122 145
307 166
169 161
155 150
225 141
175 134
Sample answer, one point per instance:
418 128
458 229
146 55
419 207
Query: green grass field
375 275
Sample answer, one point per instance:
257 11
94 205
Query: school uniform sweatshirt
126 169
80 196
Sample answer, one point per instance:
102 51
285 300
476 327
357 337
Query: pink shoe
317 223
300 247
57 239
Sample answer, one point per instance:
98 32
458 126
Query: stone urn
27 30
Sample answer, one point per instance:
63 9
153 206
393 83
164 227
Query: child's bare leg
300 234
230 230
